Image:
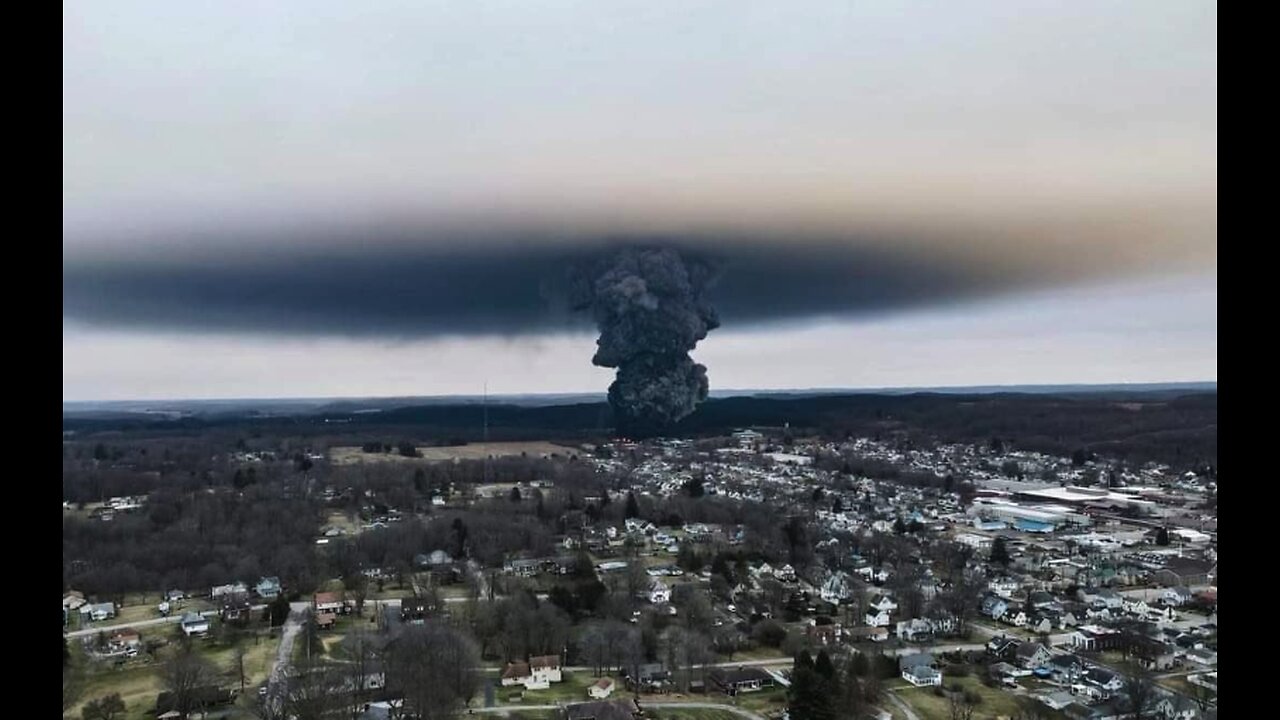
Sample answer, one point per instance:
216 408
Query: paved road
284 654
140 624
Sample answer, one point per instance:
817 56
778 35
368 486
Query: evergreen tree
999 553
515 494
824 666
633 507
1162 536
899 527
837 506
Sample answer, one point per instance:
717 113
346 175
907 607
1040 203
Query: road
140 624
740 712
284 654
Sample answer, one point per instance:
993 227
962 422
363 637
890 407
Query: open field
353 455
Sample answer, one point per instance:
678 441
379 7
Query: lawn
929 706
138 685
761 701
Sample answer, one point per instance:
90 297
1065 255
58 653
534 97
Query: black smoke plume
649 306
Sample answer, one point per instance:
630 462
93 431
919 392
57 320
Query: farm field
353 455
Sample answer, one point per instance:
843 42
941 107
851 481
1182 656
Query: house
329 602
1002 646
835 589
220 590
915 660
415 610
268 588
1095 637
1155 655
914 630
194 624
126 638
877 618
235 607
1032 655
824 634
545 668
98 611
1057 700
601 688
922 675
1103 679
518 673
1185 572
1099 598
743 679
1041 600
1175 596
73 600
659 593
1202 656
1174 707
602 710
1066 668
873 633
1017 619
994 607
651 676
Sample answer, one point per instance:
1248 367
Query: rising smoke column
649 306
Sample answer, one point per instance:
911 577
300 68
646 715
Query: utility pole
486 432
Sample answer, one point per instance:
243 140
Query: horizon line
726 392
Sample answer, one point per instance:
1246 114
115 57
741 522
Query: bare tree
184 674
1140 691
434 668
959 707
313 691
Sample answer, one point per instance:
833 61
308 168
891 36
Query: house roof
734 676
921 672
544 661
914 659
515 670
327 598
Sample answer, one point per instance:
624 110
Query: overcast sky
326 198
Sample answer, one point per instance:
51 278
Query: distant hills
1171 423
264 407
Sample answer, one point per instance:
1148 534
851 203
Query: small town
736 571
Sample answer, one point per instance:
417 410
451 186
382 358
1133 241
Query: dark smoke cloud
651 308
360 287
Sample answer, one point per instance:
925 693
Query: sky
328 199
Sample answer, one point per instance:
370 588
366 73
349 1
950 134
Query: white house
545 669
601 688
922 675
877 618
659 593
194 624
